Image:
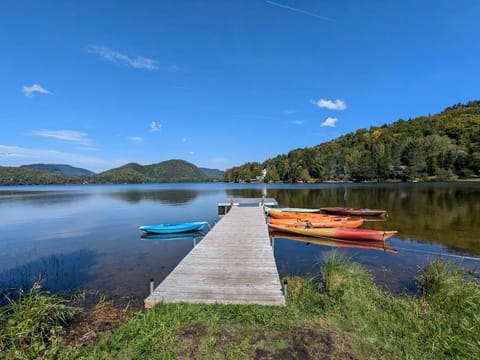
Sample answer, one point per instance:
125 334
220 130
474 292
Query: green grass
31 326
340 313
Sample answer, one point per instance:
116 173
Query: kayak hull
300 215
327 222
367 245
337 233
300 210
173 228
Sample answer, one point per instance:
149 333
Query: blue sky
98 84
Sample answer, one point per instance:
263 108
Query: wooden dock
233 264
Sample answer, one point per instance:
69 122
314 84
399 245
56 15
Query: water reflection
56 272
91 235
42 198
169 197
194 235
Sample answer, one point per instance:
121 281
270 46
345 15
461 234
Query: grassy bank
339 314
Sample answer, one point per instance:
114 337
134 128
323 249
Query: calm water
87 236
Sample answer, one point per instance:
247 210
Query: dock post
285 287
152 285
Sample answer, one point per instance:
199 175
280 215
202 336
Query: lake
87 237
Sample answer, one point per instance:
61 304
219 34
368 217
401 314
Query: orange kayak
337 233
301 215
369 245
327 222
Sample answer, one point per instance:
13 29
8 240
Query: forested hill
439 147
166 171
60 169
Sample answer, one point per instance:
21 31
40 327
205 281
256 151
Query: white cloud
191 153
298 122
155 127
70 136
330 121
135 139
16 156
329 104
28 91
137 62
289 112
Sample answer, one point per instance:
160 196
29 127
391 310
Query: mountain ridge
174 170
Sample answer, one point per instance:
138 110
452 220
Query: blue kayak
173 228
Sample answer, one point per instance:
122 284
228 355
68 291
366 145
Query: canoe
173 228
337 233
336 210
328 222
175 236
368 245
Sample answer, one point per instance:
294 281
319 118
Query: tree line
444 146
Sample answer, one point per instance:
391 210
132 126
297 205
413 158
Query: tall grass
442 323
31 325
339 313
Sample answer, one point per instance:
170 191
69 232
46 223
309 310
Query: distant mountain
132 173
60 169
166 171
26 176
213 173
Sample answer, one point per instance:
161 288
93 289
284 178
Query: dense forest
444 146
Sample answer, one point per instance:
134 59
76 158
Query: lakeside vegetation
445 146
336 314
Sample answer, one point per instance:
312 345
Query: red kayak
369 245
336 210
327 222
337 233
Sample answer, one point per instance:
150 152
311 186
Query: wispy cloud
135 139
16 156
137 62
330 121
289 112
69 136
298 122
329 104
154 126
28 91
304 12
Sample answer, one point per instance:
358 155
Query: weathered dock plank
233 264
